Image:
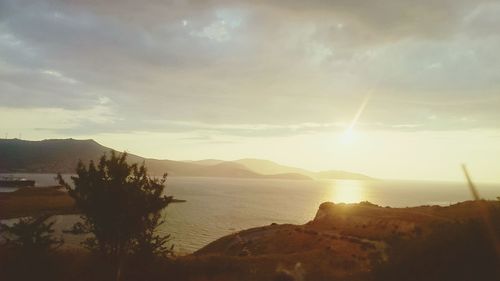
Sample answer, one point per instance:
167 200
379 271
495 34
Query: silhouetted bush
121 206
27 249
31 235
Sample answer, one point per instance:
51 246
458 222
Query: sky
391 88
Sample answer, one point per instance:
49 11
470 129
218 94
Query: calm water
218 206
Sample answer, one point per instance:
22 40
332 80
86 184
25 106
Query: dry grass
35 201
344 242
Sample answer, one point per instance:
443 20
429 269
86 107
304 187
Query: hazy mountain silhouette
267 167
62 155
336 174
270 167
206 162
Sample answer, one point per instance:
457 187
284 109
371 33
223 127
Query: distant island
62 155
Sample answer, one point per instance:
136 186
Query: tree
121 206
32 235
28 249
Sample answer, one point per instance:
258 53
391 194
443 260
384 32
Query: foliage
32 235
453 251
121 206
149 244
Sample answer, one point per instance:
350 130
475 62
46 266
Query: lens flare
348 135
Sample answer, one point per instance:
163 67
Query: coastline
29 201
341 242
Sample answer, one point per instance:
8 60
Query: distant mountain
206 162
48 155
270 167
333 174
62 156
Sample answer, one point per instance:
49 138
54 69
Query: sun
347 191
348 136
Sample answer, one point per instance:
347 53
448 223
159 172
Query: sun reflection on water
348 191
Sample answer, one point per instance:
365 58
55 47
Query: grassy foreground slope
364 241
343 242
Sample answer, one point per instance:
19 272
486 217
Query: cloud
252 68
59 76
216 31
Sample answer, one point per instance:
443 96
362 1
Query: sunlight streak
348 135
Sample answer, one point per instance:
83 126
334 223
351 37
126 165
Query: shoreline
357 241
30 201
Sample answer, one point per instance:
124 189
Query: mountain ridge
62 156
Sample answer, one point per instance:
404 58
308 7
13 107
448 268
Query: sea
216 207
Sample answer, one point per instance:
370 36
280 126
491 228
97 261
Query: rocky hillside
356 241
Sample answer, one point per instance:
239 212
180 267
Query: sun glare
347 137
347 191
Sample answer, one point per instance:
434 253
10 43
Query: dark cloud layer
430 65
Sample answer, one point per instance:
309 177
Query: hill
344 242
334 174
270 167
206 162
62 156
365 242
